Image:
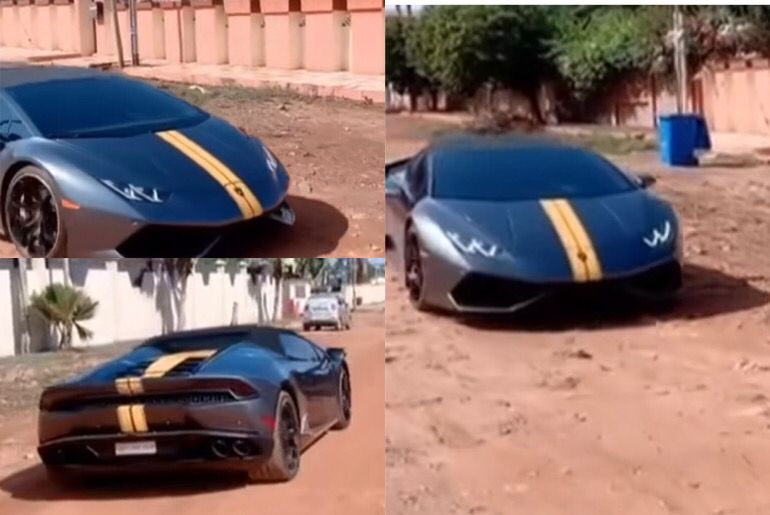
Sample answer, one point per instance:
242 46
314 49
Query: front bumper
473 292
107 235
210 449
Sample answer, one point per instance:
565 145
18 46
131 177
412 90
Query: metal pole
134 36
680 60
116 25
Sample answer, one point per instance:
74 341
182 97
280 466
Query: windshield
509 174
102 107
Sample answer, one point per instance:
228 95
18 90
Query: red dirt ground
341 473
593 409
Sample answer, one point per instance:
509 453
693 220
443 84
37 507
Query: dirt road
341 473
597 409
333 151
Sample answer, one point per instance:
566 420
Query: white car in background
326 310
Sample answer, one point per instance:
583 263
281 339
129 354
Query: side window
298 348
11 128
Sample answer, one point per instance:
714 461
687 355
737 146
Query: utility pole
24 337
118 42
680 60
353 272
134 36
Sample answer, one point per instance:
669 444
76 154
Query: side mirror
646 180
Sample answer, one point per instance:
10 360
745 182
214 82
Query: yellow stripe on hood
243 197
575 240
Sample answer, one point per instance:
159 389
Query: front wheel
345 401
413 270
32 215
283 463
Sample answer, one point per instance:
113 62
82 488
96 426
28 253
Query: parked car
97 164
245 398
494 224
326 310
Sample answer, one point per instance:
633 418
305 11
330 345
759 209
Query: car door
314 374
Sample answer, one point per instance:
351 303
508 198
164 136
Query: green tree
592 47
461 48
65 308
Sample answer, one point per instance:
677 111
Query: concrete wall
317 35
127 311
733 97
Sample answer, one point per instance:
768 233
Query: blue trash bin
679 136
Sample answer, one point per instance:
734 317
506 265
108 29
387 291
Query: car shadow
33 484
317 231
706 293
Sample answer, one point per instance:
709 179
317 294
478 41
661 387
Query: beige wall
127 312
318 35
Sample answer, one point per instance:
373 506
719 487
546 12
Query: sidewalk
364 88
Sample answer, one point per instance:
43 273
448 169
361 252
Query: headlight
660 236
137 193
473 245
270 160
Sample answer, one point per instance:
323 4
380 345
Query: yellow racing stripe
567 239
589 257
124 419
243 197
139 418
165 364
129 385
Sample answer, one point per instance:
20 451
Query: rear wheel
345 401
413 271
32 215
305 327
283 463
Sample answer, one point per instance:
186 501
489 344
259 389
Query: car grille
487 291
169 241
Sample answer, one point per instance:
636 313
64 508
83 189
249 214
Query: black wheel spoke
33 219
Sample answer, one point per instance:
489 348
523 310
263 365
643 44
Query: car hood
149 161
616 225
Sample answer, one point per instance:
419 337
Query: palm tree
65 308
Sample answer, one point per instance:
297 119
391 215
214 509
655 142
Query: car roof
475 142
11 76
263 336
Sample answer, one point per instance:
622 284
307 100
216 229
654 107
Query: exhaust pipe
242 448
220 449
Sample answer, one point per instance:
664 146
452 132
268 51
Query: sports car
244 398
494 224
97 164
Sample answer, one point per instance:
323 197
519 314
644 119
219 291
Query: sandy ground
596 408
333 150
342 473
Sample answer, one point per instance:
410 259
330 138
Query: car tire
283 463
36 175
305 327
413 266
344 402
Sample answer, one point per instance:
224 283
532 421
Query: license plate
136 448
